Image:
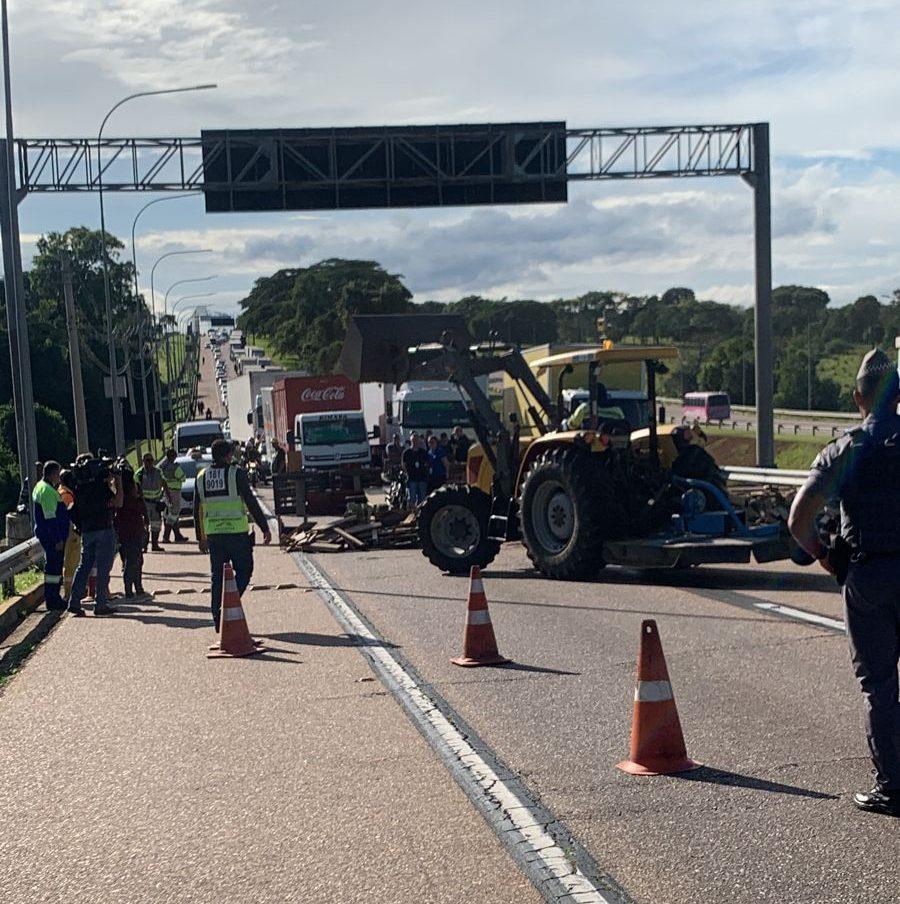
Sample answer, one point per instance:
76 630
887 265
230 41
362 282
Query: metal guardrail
775 477
17 558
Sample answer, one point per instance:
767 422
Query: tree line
48 341
303 312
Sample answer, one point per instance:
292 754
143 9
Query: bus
706 406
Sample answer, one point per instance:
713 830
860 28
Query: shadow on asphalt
359 591
706 578
521 667
304 638
735 779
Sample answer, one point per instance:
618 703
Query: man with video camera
98 493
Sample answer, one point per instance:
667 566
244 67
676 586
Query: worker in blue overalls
51 527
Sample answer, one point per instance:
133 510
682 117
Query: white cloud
820 70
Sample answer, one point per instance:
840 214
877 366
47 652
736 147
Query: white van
193 434
332 439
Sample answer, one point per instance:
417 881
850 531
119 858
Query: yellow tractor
578 499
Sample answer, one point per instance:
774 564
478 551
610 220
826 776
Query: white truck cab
332 439
192 434
430 405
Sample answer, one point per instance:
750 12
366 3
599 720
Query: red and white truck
329 448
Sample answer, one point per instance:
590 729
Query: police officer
150 480
222 501
862 470
173 479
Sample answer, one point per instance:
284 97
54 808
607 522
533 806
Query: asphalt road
768 704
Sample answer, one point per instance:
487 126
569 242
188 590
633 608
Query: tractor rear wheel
453 526
567 511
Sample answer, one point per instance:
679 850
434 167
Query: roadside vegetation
299 316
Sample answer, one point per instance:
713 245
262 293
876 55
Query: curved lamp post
118 421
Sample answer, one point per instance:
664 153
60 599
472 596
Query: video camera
96 470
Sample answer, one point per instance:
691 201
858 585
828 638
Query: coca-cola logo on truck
325 394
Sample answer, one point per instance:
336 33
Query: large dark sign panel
393 166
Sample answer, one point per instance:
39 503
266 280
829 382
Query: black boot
179 536
166 532
155 542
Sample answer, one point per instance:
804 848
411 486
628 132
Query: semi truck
242 396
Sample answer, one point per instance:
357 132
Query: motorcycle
397 494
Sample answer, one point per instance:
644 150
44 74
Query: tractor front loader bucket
375 348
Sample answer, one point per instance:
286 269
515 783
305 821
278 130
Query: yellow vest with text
222 509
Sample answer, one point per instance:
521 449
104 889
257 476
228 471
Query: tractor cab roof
601 355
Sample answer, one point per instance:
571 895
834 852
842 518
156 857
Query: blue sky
821 72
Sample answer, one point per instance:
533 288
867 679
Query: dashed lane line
785 613
558 866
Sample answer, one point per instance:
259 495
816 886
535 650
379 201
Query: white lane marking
810 617
528 835
652 692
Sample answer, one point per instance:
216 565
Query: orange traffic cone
657 743
480 645
234 635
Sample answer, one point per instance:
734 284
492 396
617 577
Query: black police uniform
862 470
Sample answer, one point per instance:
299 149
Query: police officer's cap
875 365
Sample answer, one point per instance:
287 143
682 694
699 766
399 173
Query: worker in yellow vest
150 481
173 479
223 500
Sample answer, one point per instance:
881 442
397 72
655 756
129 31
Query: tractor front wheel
567 512
453 527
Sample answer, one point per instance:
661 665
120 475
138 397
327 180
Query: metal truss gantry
287 169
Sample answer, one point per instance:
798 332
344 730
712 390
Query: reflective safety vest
222 509
151 483
172 475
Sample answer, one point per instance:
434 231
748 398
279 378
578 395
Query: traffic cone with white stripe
480 645
657 742
234 635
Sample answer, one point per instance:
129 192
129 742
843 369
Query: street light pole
14 287
179 367
180 282
118 422
142 320
157 262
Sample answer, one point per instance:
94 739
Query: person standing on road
861 469
415 463
96 498
51 527
149 479
72 552
461 444
437 464
131 522
173 480
222 500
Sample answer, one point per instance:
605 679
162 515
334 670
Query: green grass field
24 581
791 452
288 362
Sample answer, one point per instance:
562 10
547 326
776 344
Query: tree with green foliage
305 310
729 368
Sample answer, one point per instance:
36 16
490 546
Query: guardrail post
814 428
796 429
834 431
779 426
749 425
